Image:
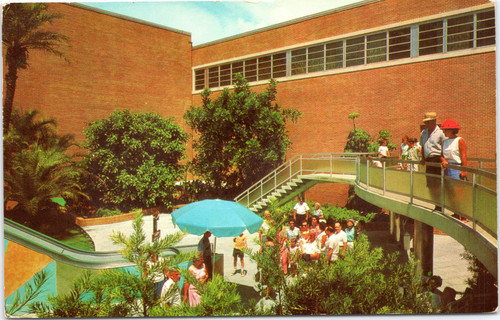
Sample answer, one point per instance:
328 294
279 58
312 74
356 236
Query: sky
213 20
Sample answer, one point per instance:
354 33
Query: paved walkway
448 263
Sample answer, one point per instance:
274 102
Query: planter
82 222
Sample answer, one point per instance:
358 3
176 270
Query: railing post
290 171
411 183
383 177
474 201
331 168
261 190
367 173
442 190
274 179
248 198
300 167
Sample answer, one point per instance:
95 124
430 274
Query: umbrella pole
213 258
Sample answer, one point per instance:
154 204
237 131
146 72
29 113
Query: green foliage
241 136
219 298
134 159
115 292
31 292
353 116
22 33
364 281
383 135
103 212
339 214
37 175
358 140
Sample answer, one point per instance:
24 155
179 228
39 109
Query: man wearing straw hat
431 140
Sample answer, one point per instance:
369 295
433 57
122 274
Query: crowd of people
311 238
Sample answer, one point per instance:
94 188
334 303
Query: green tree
241 136
31 292
115 292
358 140
134 159
353 116
27 128
38 174
21 33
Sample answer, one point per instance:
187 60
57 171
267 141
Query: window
265 68
399 43
430 37
298 61
251 70
279 65
334 55
355 51
469 30
225 75
460 33
237 67
213 77
199 79
376 47
315 58
485 28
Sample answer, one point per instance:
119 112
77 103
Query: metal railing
474 198
298 165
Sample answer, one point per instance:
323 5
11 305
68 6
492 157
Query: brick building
388 60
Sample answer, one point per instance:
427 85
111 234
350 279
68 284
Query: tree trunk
10 84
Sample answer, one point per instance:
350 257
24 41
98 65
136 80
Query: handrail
59 251
328 163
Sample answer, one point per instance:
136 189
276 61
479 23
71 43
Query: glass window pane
298 61
225 75
334 55
213 77
399 44
460 33
315 58
251 70
355 51
265 68
237 67
485 28
376 47
430 38
279 65
199 79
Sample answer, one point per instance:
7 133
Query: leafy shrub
134 160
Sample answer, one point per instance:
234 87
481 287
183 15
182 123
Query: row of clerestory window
468 31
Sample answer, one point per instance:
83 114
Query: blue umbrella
222 218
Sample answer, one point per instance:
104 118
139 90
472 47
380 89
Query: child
413 153
240 245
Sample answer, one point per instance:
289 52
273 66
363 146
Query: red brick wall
369 16
114 64
392 98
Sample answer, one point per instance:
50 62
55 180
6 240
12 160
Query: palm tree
353 116
20 34
38 174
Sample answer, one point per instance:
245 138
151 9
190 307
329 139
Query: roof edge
124 17
289 22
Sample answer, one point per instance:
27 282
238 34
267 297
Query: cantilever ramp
60 252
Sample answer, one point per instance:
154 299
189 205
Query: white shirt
301 208
451 150
332 243
170 292
383 150
342 236
311 247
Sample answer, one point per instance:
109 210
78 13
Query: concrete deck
448 263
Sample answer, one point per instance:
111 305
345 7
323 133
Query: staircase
297 175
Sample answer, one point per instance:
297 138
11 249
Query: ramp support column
424 247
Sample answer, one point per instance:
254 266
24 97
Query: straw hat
430 116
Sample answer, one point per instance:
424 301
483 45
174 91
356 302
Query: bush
134 160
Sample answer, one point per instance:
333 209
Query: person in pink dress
197 269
